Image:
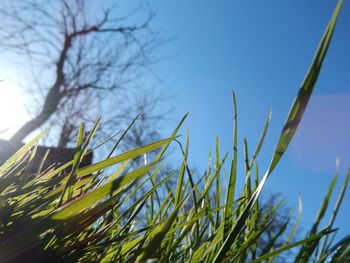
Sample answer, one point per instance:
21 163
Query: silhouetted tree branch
87 53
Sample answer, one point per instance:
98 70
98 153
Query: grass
72 214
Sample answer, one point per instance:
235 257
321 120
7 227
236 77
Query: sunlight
12 111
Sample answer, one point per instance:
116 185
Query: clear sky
261 50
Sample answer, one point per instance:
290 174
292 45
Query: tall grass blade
232 180
299 105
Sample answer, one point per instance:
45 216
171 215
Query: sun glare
12 111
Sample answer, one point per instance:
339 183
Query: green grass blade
122 157
339 199
94 196
157 236
306 251
337 249
299 105
232 180
218 184
69 187
261 139
247 184
179 185
121 137
335 213
290 246
17 156
297 221
165 147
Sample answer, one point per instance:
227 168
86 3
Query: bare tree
83 60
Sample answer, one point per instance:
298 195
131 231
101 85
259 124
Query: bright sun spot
12 111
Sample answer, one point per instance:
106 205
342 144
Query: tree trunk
50 106
52 99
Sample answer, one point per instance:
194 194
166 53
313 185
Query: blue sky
261 50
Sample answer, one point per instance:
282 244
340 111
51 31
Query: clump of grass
72 214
